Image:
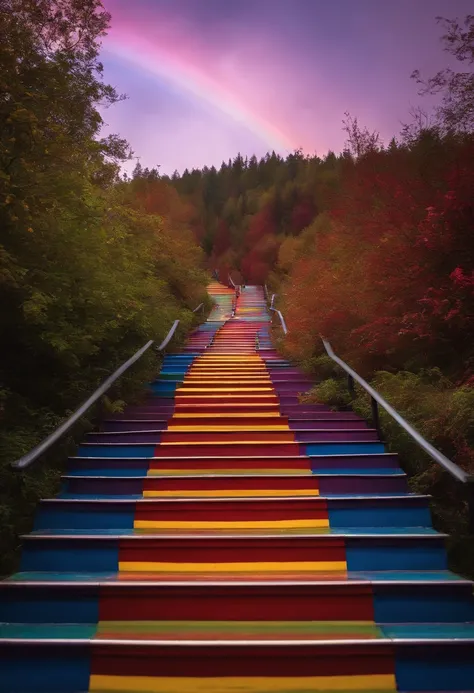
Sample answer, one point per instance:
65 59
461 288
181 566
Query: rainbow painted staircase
223 537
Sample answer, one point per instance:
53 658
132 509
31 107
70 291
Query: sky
206 79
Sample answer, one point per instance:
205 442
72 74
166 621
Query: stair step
221 536
259 666
239 448
251 483
236 434
258 515
382 602
182 556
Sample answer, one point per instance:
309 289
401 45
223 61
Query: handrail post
375 416
470 503
435 454
350 386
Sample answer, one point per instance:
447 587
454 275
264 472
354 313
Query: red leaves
396 266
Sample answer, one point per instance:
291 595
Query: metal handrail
435 454
201 305
278 312
30 457
282 319
376 399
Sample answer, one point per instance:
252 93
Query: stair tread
254 534
221 631
352 577
322 533
354 498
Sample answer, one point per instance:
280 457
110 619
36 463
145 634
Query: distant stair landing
222 537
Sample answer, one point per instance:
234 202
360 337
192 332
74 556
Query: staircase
224 538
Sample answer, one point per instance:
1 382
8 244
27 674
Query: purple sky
206 79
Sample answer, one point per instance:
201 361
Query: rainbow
179 70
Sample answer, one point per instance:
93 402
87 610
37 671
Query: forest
371 247
90 268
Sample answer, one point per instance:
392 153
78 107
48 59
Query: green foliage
443 414
88 272
331 392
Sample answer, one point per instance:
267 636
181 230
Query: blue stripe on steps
84 516
413 554
343 448
52 606
68 631
59 555
434 605
57 576
461 631
387 516
142 451
101 496
139 473
49 669
166 388
442 668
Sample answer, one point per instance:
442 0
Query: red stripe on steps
227 437
221 449
244 660
237 603
235 550
231 483
217 463
231 510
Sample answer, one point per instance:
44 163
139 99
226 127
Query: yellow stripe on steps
215 428
228 442
242 493
180 390
229 472
224 396
377 683
230 415
250 567
224 524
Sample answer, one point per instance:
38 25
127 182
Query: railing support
470 503
377 398
375 416
350 386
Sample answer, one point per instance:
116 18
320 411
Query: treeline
372 248
89 269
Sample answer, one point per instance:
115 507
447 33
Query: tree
359 140
456 112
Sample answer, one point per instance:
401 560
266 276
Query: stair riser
190 437
328 485
258 515
66 669
233 449
335 463
146 554
381 603
231 423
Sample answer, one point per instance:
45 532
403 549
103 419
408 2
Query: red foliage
394 271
